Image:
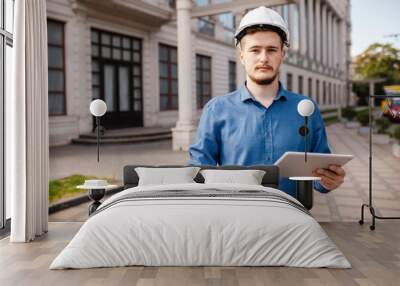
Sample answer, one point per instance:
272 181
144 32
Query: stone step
127 135
124 140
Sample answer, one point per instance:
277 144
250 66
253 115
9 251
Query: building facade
126 53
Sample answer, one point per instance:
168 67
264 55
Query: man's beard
264 81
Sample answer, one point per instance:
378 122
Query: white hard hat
262 16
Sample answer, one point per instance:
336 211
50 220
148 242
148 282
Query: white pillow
163 176
248 177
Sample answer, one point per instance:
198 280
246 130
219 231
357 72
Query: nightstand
305 190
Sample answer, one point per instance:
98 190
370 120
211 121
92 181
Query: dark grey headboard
270 179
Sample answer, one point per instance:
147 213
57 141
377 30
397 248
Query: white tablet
292 164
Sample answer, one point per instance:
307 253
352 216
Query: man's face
262 54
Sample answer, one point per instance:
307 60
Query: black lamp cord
98 137
303 130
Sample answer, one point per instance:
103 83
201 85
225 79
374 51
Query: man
259 122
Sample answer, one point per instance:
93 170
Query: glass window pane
136 44
9 9
95 51
198 59
198 78
136 57
126 43
138 106
109 87
55 57
206 89
56 104
126 55
163 102
136 70
116 41
124 100
163 70
206 63
56 80
105 39
174 87
206 75
174 58
95 66
163 53
95 93
163 86
95 36
198 88
55 32
137 93
116 54
174 102
95 79
174 71
136 82
105 52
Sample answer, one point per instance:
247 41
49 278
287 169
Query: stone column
303 29
318 30
183 133
310 12
324 34
329 39
335 43
240 71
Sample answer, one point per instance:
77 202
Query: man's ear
241 54
283 54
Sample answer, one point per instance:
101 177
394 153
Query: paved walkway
341 205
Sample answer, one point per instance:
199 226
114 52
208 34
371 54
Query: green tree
379 61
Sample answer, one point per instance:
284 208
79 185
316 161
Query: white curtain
27 122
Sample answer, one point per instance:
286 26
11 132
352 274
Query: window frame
200 95
63 69
6 39
310 87
232 76
300 84
289 81
169 77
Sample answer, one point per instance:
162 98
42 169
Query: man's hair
262 28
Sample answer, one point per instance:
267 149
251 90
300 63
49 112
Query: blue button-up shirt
236 129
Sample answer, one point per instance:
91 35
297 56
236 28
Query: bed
201 224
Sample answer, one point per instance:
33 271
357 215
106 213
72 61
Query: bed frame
270 179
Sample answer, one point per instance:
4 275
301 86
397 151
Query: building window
310 89
335 101
317 92
294 23
168 64
117 77
232 76
56 63
329 93
289 82
6 64
324 92
203 80
300 83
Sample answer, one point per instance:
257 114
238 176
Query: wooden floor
374 255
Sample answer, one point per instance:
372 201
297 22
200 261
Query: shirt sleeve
320 143
205 149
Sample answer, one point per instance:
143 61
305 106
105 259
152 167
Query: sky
371 21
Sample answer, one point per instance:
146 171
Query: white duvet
200 231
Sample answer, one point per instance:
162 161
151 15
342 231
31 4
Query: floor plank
374 255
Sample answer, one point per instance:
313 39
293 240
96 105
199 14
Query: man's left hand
332 177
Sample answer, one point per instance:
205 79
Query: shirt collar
245 93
